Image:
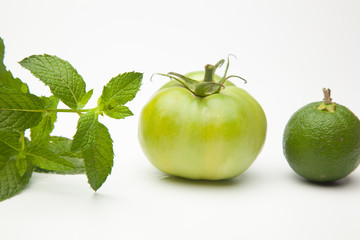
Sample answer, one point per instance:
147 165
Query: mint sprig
90 150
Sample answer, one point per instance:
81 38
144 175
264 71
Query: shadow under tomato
242 179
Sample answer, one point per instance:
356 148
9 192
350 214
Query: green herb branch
90 150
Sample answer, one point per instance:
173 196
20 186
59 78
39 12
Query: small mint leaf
120 90
21 165
62 78
85 135
118 112
85 99
24 88
61 147
10 181
46 159
41 132
19 110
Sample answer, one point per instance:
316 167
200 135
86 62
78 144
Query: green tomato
214 137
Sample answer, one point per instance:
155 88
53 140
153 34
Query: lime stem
327 98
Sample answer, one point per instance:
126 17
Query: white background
287 50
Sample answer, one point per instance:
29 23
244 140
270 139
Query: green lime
321 141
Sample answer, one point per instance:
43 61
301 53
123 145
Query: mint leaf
46 159
119 91
99 158
10 180
9 142
118 112
7 81
95 143
61 147
85 99
63 80
40 134
21 165
85 135
19 110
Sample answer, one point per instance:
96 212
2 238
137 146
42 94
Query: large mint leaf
95 143
7 81
99 158
19 110
10 180
64 81
119 91
61 147
40 134
46 159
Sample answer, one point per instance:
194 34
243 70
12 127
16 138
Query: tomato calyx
209 85
327 105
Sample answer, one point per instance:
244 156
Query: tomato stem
209 73
209 85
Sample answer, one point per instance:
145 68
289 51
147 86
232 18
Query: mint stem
21 151
22 140
48 110
69 110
